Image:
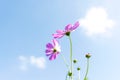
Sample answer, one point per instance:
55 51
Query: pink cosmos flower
69 28
52 50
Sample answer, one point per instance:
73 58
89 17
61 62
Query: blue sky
26 26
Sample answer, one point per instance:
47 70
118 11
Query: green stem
65 61
87 69
71 59
79 75
66 76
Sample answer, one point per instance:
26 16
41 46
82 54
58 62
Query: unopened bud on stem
78 68
74 61
69 74
88 55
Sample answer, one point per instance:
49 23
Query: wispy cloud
96 22
24 63
38 62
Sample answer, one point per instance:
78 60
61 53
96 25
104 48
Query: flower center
67 33
54 50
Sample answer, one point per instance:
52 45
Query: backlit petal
68 27
49 45
52 57
75 25
60 32
57 35
55 42
48 51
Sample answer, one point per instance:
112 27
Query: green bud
88 55
74 61
78 68
69 74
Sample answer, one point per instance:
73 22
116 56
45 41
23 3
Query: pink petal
68 27
52 57
60 32
48 51
75 25
57 35
55 42
48 54
49 45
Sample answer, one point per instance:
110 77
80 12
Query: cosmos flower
52 50
69 28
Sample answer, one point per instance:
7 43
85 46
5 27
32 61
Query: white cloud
22 58
38 62
96 22
24 62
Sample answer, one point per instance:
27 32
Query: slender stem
71 59
69 77
66 76
87 69
79 75
65 61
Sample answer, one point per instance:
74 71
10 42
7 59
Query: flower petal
48 51
55 42
68 27
57 35
48 54
49 45
55 56
52 57
75 25
60 32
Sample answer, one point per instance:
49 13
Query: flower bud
78 68
74 61
69 73
88 55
